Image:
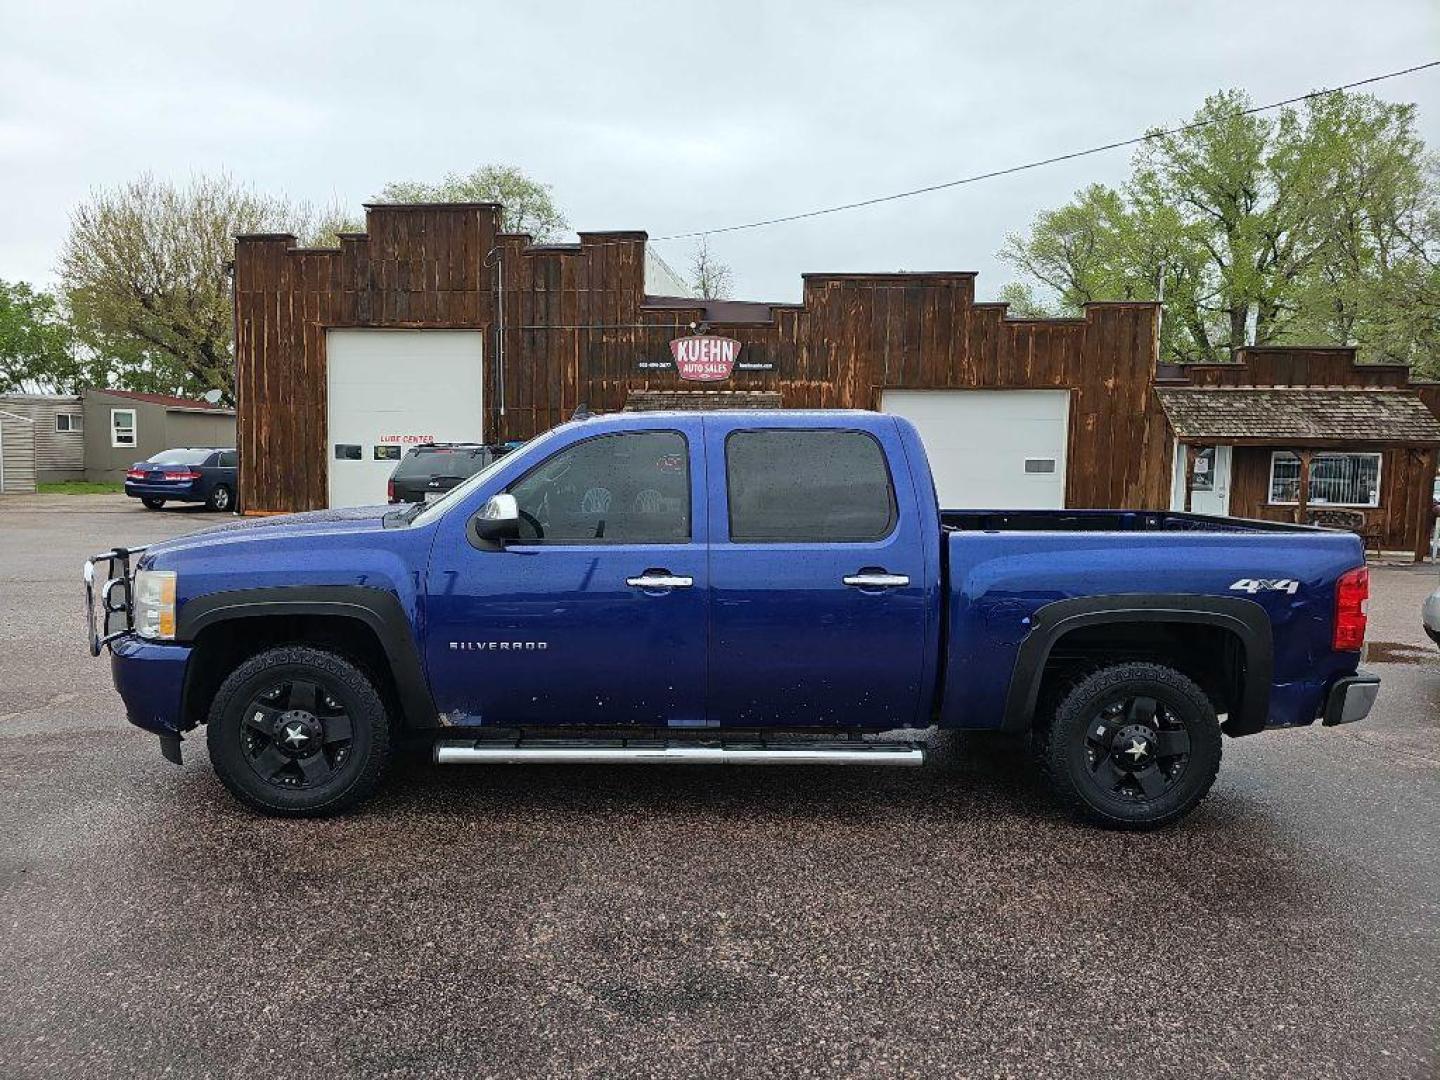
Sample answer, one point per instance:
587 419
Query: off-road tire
351 687
221 498
1060 741
152 504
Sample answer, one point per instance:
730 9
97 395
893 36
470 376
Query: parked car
732 587
197 474
1430 615
432 469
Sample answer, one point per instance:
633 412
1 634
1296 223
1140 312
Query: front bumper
1351 698
150 677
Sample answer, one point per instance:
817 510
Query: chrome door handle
876 581
660 581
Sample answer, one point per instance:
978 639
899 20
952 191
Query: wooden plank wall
577 327
1406 476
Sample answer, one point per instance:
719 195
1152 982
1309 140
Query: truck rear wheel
1133 746
298 732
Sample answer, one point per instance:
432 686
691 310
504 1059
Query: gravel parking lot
693 922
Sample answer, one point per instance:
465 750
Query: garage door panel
980 441
396 388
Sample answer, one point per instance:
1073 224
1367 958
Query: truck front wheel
298 732
1133 746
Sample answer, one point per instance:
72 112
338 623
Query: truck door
597 615
818 576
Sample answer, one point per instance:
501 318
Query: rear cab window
805 485
445 461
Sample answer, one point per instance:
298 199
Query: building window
1204 475
68 421
122 427
1335 479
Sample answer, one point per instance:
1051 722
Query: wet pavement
699 922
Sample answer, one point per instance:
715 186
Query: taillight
1352 603
134 474
183 474
390 490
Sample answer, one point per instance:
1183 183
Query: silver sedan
1432 615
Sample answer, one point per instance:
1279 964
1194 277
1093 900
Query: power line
945 185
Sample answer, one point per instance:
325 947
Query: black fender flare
377 609
1246 619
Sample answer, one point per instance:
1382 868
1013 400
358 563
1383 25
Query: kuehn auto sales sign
705 357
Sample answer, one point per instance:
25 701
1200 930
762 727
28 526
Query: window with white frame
68 421
122 427
1336 479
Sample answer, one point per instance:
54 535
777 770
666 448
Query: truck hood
350 520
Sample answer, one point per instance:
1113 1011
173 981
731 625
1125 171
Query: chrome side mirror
495 523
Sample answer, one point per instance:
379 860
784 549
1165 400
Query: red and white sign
705 357
407 438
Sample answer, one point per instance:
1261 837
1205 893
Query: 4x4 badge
1254 585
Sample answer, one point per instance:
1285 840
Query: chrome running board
652 752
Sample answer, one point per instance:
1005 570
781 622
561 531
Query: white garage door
991 449
390 389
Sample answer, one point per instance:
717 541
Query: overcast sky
666 117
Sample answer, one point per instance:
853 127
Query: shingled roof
1298 415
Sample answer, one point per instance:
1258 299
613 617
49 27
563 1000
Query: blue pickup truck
730 587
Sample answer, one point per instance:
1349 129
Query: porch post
1428 465
1190 455
1304 495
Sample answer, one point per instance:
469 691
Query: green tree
144 270
528 204
39 352
322 228
1315 225
712 278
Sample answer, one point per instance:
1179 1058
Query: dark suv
196 474
434 468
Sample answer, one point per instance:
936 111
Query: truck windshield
426 512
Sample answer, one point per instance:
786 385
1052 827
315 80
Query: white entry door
1210 491
991 449
388 390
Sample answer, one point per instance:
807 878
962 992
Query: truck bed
1106 521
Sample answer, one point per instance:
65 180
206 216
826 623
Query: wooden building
432 324
1307 435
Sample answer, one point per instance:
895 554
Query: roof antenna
583 412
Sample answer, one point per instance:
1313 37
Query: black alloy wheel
299 731
1131 746
219 498
295 734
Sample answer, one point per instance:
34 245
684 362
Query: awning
1298 416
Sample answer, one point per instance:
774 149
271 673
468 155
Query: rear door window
808 486
229 459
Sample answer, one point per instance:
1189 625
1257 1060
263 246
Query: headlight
155 603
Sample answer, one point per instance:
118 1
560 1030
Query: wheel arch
367 624
1243 620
